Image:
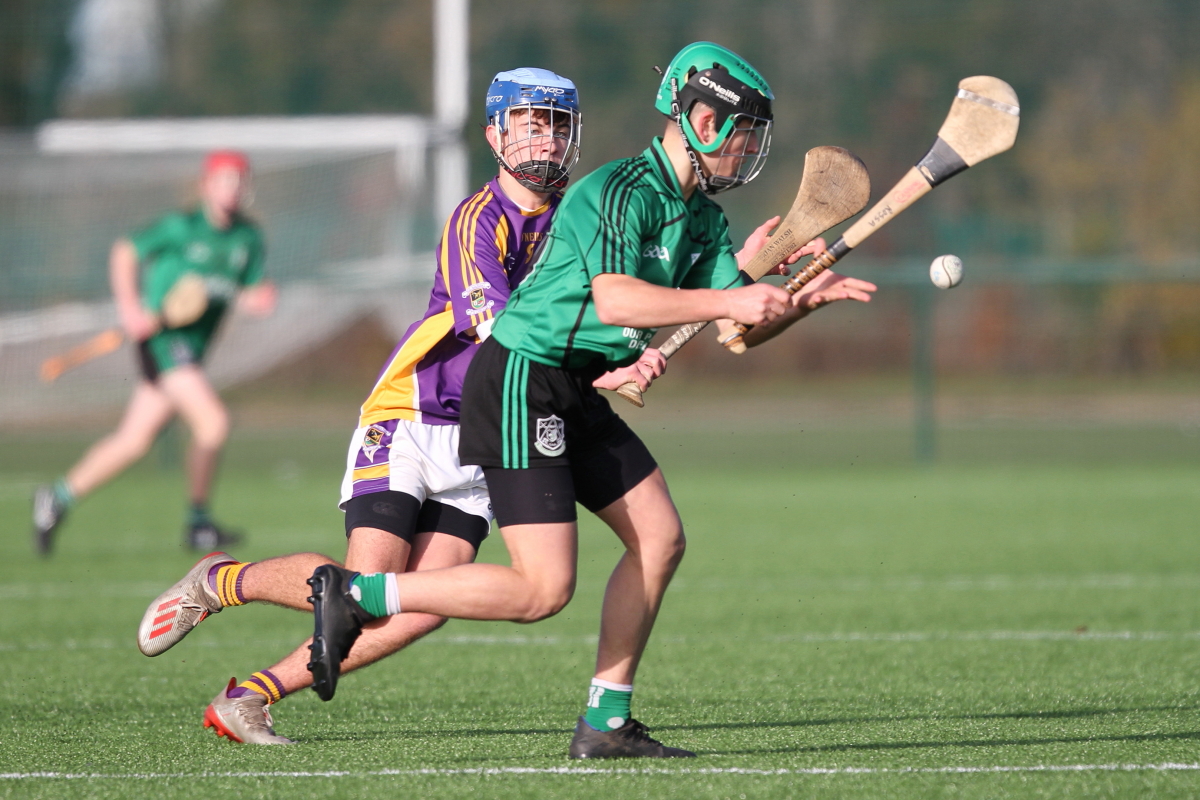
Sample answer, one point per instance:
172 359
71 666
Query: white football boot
182 607
243 719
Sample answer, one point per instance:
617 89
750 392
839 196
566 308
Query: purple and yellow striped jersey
486 250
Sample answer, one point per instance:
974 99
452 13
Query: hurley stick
835 186
185 303
982 122
99 345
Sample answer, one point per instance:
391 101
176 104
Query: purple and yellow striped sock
226 580
265 683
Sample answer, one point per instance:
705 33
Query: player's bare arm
138 322
626 301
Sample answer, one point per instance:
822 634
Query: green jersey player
635 247
218 243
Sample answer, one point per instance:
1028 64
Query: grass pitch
1020 621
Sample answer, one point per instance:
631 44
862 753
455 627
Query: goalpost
350 206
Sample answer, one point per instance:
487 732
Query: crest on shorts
551 436
181 352
372 441
477 298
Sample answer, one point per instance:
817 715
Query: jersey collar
507 201
656 154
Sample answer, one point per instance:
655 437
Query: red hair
221 159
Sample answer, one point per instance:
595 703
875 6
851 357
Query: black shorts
147 362
520 419
401 515
164 351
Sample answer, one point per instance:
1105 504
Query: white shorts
416 459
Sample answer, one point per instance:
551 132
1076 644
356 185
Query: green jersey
629 218
183 242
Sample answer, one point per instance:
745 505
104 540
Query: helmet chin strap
677 114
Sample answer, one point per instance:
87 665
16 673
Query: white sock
392 594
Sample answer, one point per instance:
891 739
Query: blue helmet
544 147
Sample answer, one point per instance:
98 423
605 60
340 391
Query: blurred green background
1081 246
1110 92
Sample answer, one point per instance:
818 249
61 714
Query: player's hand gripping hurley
982 123
835 186
185 303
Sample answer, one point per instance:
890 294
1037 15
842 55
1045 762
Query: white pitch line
991 636
952 583
960 770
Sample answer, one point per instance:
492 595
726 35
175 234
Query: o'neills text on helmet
722 92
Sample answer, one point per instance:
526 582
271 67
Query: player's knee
547 601
213 430
677 548
665 552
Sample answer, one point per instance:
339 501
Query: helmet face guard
539 145
741 145
538 125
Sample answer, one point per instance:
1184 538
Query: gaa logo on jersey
372 441
551 436
657 251
198 252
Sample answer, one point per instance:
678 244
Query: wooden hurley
982 122
185 303
835 186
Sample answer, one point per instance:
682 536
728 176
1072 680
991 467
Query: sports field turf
1022 620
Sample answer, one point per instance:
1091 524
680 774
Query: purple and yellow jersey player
486 249
410 505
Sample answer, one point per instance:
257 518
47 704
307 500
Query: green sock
376 593
608 705
63 493
198 515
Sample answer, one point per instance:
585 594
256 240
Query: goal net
344 206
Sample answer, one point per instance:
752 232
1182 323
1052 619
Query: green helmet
721 79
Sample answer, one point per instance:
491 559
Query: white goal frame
411 137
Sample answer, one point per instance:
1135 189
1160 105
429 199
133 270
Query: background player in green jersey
218 243
634 247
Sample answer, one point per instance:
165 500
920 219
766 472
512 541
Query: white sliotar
946 272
